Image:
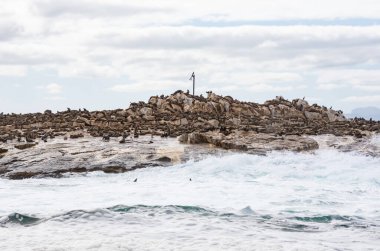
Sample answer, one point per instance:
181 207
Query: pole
193 84
193 77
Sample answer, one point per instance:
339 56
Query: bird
190 179
106 137
135 180
44 138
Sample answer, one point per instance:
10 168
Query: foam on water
282 201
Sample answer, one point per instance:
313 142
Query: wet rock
2 150
164 159
24 146
76 135
184 138
195 138
58 157
22 175
3 170
114 169
251 141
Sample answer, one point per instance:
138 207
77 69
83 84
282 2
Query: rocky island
165 130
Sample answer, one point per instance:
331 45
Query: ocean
325 200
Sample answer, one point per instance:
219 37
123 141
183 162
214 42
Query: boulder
184 122
76 135
2 150
251 141
146 111
313 115
335 116
213 122
25 146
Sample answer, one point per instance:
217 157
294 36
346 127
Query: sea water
326 200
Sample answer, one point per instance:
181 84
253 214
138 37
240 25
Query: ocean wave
290 222
19 219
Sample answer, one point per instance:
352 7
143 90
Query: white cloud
9 30
91 9
147 86
216 9
373 99
362 80
13 70
55 98
53 88
151 45
275 88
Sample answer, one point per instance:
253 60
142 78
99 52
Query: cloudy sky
97 54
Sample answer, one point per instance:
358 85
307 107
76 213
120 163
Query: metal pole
193 77
193 84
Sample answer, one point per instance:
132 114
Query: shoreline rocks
251 141
181 113
219 122
59 157
25 146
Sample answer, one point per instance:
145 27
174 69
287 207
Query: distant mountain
365 112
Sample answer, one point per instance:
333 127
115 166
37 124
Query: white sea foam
282 201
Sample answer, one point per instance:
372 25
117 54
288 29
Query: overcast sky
93 54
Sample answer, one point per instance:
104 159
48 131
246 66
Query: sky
94 54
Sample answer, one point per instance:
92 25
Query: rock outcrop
251 142
59 157
184 113
59 142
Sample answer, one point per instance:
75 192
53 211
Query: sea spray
310 201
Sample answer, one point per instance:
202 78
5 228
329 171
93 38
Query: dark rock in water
2 150
58 173
22 175
114 169
3 170
358 135
24 146
164 159
76 135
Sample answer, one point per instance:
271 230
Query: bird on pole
193 78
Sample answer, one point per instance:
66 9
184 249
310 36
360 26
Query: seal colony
216 120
